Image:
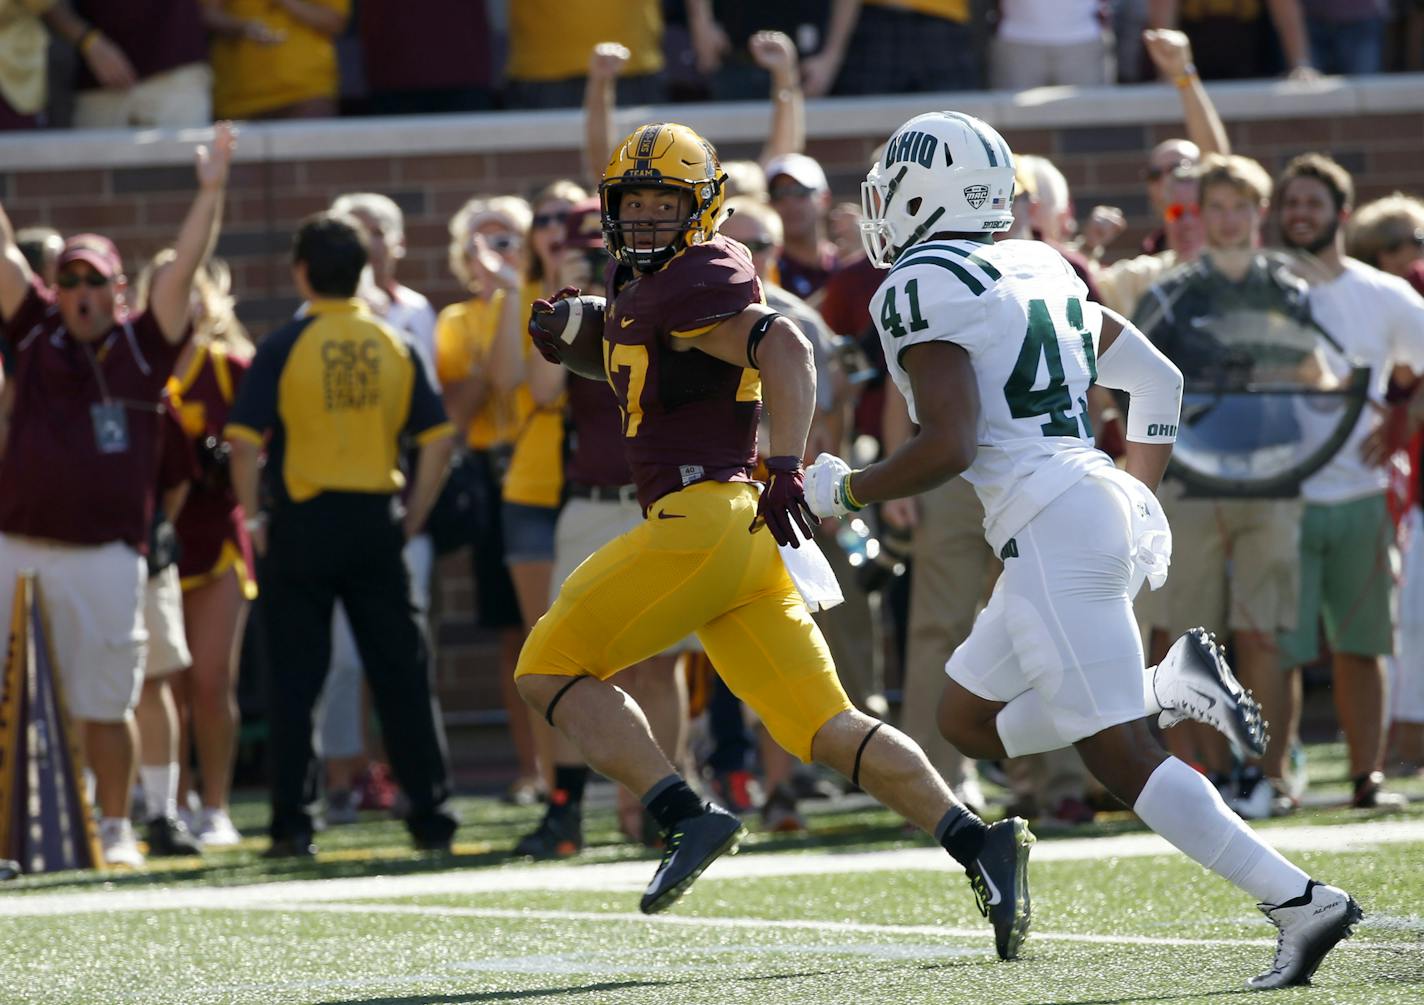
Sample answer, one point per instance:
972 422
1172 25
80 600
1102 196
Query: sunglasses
72 280
1156 172
503 242
1177 210
549 219
791 192
757 245
1415 240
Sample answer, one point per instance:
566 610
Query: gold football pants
692 566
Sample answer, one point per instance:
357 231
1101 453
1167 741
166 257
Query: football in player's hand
573 330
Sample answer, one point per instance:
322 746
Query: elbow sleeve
1153 384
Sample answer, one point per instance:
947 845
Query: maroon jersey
69 474
597 457
176 463
687 416
212 516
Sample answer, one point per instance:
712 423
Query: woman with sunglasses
533 486
473 361
215 557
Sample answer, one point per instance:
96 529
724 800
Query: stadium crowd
181 63
157 385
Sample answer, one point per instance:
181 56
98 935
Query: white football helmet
941 171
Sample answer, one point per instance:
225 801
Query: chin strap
855 772
549 712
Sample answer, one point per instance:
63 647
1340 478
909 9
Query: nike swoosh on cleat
672 516
994 896
1210 701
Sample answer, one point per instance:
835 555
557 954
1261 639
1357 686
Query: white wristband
255 522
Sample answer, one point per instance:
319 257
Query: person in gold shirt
477 345
547 68
275 59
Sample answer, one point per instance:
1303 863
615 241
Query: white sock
160 788
1026 726
1181 805
91 785
1149 693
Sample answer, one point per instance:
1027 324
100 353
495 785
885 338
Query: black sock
671 800
962 834
569 781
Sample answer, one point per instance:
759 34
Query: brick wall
136 190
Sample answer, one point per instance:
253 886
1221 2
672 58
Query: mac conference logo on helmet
976 195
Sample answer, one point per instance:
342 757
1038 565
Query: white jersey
1031 333
1379 320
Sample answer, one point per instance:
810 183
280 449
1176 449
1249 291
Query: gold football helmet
661 155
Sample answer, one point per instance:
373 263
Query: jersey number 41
1055 399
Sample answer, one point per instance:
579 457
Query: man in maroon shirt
81 461
799 193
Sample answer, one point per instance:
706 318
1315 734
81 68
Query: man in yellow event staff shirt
338 391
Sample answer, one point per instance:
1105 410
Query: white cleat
116 840
1310 926
1193 681
215 829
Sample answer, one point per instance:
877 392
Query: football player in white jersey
994 346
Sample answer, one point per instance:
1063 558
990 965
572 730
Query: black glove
783 502
162 544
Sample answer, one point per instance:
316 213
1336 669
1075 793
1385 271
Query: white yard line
621 876
983 932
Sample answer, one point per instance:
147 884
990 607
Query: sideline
620 876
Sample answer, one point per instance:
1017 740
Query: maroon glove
547 342
783 502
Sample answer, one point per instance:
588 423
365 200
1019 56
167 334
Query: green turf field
856 912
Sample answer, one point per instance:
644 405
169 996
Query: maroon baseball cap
583 228
98 251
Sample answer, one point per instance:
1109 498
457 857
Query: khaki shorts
163 617
1235 565
92 600
176 99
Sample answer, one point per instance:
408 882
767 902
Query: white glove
825 486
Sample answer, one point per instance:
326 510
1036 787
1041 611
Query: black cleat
691 847
559 835
167 837
1193 681
1310 926
297 846
999 878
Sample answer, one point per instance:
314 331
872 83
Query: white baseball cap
799 168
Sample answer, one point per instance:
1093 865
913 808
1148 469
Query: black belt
603 493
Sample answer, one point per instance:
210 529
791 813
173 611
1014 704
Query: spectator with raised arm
1171 53
80 466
